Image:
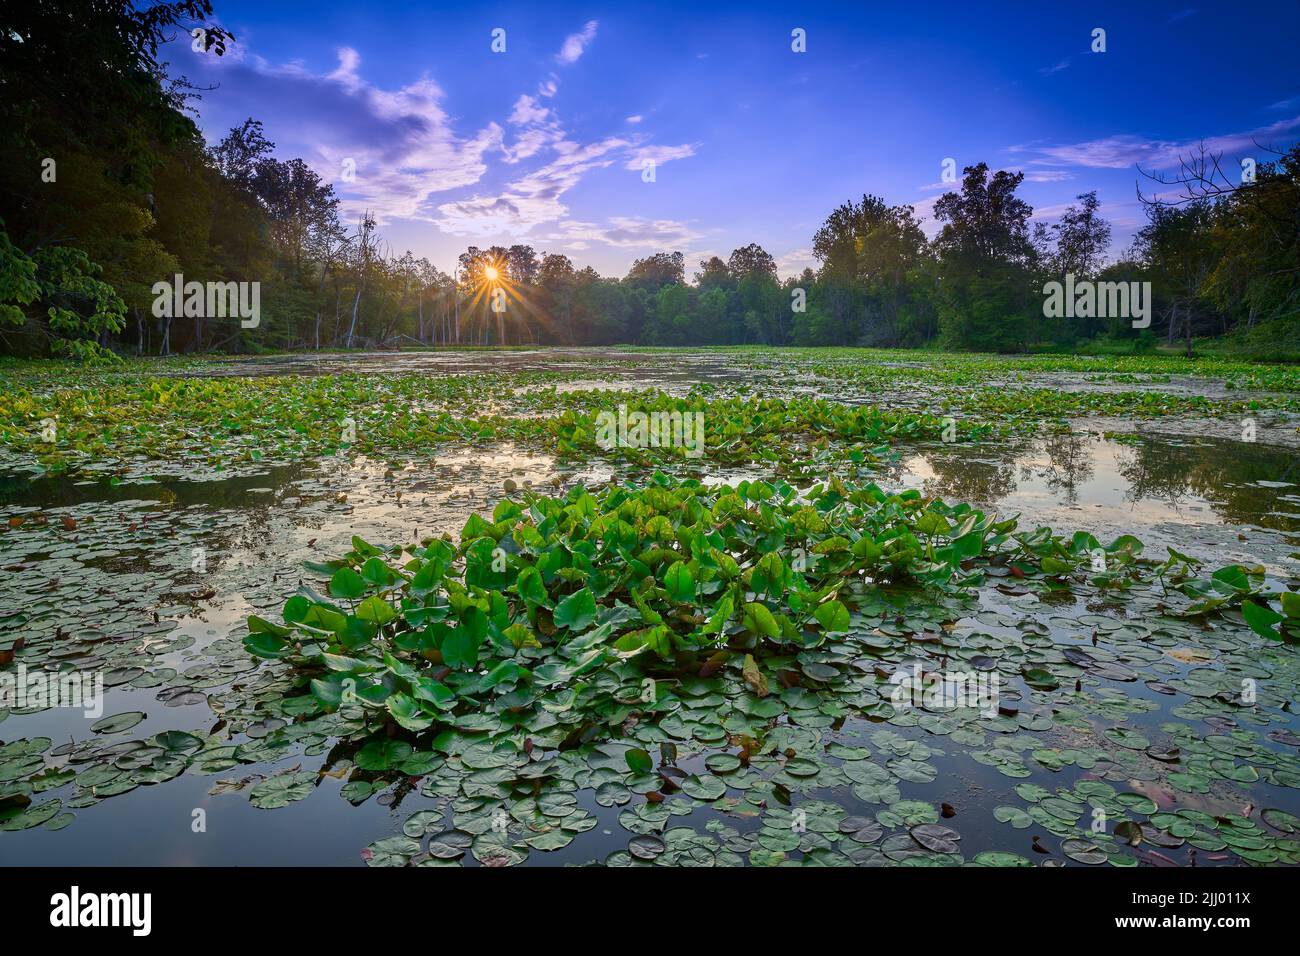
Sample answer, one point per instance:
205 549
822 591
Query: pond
1117 732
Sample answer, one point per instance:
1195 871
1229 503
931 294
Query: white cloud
1047 175
1054 211
527 111
540 127
412 163
794 262
528 143
659 155
1125 151
576 43
403 144
346 73
535 199
532 199
1031 176
924 212
632 232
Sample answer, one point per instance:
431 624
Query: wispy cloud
794 262
1052 211
402 143
1125 151
532 199
408 154
533 203
1047 175
1031 176
659 155
923 209
629 232
536 199
1181 15
537 127
528 112
576 43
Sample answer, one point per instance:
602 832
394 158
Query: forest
108 188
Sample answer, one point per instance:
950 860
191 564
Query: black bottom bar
186 904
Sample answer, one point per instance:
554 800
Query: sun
491 273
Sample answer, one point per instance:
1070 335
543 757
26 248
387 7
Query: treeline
108 188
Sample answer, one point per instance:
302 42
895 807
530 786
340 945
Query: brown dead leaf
754 677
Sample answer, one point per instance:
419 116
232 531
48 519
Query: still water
160 575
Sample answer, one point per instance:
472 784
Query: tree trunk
338 318
325 269
352 327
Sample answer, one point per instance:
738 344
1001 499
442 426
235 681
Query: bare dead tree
1201 178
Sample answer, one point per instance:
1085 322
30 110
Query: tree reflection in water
1070 463
1223 475
960 475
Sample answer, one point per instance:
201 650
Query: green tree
55 295
986 298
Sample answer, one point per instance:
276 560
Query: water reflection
1069 464
1213 490
1243 482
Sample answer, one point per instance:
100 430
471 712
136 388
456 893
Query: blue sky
547 143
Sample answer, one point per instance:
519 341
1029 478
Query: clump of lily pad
669 579
598 640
